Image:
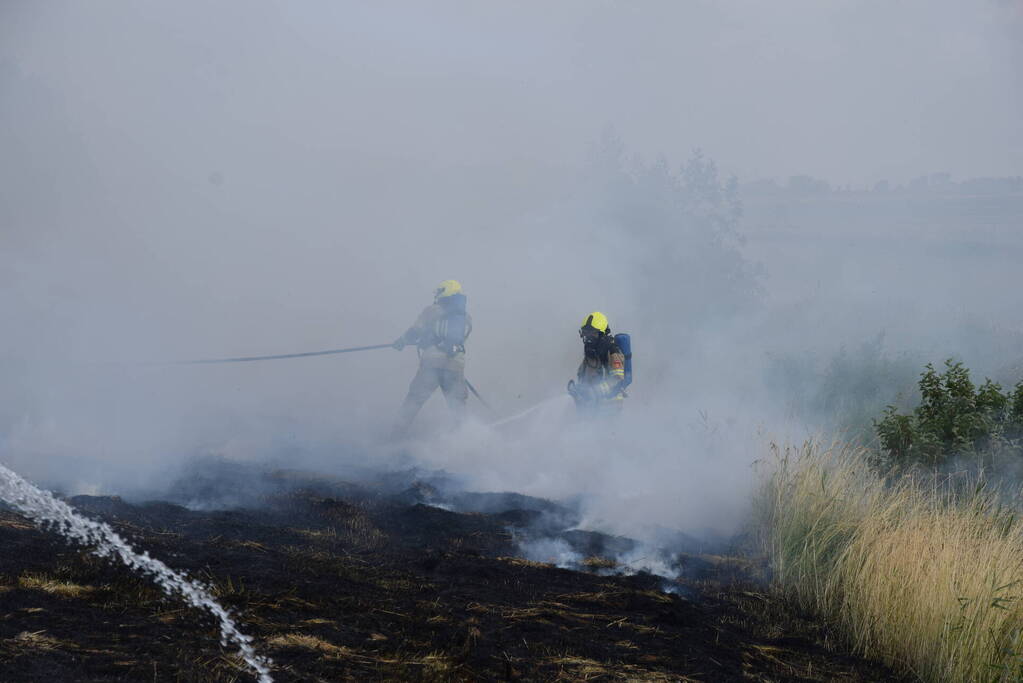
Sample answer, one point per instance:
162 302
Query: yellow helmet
446 289
596 321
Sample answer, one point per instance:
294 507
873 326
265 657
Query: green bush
954 418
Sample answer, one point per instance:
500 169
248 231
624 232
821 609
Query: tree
681 234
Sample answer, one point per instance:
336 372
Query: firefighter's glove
582 393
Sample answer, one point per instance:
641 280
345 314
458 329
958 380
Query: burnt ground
340 582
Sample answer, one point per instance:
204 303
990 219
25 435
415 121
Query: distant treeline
932 184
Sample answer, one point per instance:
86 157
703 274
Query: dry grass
37 640
919 574
309 643
572 668
54 586
594 563
522 562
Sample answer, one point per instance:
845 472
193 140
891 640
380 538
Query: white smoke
189 181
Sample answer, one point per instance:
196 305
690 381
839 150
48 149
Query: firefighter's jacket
427 332
603 375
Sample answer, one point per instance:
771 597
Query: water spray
529 411
49 513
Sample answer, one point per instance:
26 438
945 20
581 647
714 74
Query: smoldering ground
184 183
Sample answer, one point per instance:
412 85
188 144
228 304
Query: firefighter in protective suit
599 385
439 333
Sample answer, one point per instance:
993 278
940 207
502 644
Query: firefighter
439 333
599 385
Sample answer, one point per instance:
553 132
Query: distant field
878 215
909 265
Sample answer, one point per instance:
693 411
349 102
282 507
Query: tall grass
924 573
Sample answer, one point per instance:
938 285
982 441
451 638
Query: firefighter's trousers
434 371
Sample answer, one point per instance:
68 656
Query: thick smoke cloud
185 180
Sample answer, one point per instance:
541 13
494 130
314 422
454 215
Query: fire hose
328 352
245 359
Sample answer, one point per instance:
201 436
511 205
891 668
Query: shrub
954 418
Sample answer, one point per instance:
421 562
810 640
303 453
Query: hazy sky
851 90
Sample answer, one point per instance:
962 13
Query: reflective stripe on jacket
604 375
